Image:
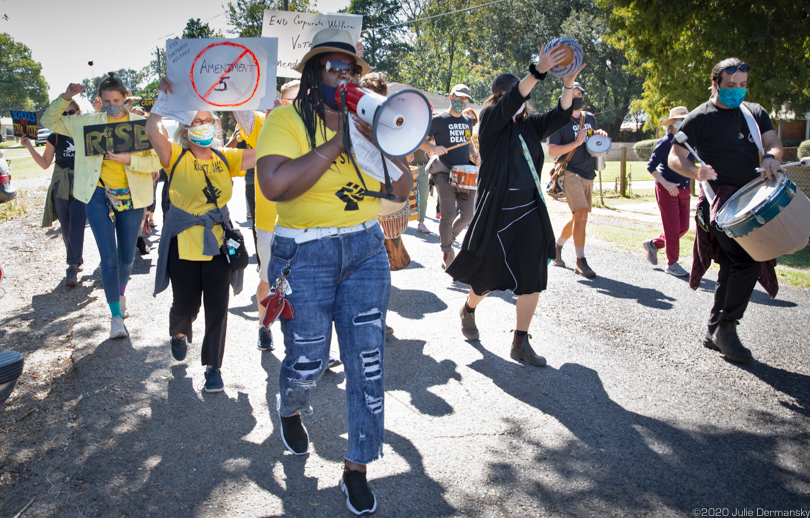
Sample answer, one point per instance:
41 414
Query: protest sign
296 30
116 137
147 103
222 74
25 123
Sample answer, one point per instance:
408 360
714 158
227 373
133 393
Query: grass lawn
24 168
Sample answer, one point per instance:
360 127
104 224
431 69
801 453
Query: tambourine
573 56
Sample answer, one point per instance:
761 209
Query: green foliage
22 86
132 78
804 149
644 148
157 67
246 16
197 29
383 48
674 47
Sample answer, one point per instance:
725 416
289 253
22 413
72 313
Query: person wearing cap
448 129
511 241
719 133
329 258
672 194
579 175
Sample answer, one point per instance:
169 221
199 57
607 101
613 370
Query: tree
675 52
246 16
22 86
382 47
197 29
132 78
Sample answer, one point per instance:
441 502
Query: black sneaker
213 381
265 342
179 348
293 432
359 497
72 276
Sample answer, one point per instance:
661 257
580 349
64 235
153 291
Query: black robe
497 135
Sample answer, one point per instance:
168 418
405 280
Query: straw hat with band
678 112
333 40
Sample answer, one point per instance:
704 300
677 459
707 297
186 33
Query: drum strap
531 167
753 127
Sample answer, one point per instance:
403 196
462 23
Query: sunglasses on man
337 66
745 67
68 113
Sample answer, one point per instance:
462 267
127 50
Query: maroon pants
675 217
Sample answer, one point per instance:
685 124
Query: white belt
303 235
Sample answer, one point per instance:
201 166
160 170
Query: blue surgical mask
731 97
678 124
329 96
202 135
112 109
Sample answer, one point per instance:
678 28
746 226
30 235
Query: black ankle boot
522 351
729 343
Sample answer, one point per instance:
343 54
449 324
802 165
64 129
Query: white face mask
522 107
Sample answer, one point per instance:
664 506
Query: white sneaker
117 329
122 301
676 270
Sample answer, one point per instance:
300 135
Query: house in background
6 129
789 126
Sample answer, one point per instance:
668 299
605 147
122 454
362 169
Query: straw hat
333 40
678 112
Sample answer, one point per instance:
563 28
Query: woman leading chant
510 239
328 249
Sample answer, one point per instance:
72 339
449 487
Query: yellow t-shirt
189 192
112 173
265 217
337 199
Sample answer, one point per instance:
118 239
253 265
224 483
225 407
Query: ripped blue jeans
344 279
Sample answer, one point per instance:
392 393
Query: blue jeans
116 260
72 218
344 279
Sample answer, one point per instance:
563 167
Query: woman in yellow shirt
116 188
200 172
328 248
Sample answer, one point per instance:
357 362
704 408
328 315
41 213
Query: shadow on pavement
621 290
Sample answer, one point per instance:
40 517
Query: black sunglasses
745 67
69 112
341 66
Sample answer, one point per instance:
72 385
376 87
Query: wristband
536 73
568 87
768 155
320 155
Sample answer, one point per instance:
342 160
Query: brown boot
447 258
522 351
583 269
468 327
558 259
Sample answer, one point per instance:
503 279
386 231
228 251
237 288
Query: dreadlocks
309 102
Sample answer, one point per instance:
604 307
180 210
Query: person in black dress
510 240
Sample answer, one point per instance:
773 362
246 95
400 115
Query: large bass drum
768 219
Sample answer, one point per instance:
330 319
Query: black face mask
329 96
576 103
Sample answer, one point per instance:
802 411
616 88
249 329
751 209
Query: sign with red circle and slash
220 74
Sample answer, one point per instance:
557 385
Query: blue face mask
329 96
731 97
458 105
202 135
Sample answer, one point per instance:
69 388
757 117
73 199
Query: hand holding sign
73 90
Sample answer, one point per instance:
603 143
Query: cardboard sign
116 137
296 30
147 103
25 124
222 74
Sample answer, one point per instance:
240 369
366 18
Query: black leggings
191 282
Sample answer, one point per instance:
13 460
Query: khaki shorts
578 192
264 247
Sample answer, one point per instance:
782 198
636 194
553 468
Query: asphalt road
631 417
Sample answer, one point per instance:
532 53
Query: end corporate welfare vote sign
296 30
222 74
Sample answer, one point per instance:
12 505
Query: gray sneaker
117 328
72 275
652 252
676 270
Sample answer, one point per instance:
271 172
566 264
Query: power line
434 16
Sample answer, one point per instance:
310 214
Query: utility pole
158 58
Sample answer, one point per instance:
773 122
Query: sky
64 36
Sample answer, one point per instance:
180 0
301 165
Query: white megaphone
400 122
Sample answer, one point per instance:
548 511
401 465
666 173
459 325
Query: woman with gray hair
199 188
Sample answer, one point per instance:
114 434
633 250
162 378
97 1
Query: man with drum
579 175
448 130
719 133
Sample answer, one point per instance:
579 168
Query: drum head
746 201
568 66
598 145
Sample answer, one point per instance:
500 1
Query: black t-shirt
64 150
582 163
715 134
447 131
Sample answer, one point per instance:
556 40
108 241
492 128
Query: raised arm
44 160
53 119
160 143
